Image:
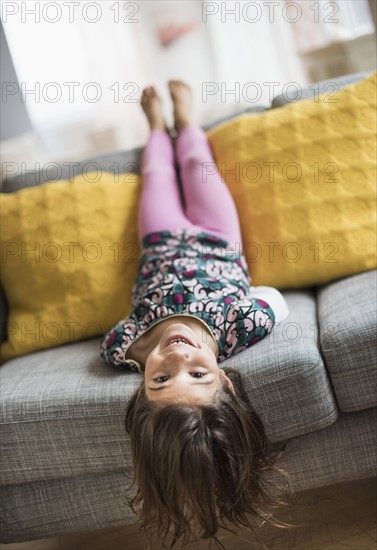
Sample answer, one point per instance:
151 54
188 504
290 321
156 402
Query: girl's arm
115 343
274 298
243 323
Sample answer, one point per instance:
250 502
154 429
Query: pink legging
209 204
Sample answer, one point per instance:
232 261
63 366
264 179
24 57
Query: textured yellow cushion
313 218
70 254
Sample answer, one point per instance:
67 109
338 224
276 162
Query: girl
198 447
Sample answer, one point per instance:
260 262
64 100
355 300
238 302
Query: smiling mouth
178 340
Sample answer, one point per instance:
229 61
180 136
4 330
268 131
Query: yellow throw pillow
303 178
70 255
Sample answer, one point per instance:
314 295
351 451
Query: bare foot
181 95
151 105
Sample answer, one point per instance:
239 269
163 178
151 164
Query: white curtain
254 51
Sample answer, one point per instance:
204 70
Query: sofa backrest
118 162
293 93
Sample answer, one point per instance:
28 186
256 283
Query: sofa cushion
70 255
303 180
62 413
62 410
347 312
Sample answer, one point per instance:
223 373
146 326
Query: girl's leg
160 206
209 203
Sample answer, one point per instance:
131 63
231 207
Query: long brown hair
196 466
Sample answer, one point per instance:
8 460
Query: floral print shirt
191 272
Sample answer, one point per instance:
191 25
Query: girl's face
180 371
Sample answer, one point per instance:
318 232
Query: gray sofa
65 456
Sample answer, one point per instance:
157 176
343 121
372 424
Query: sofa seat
347 313
74 403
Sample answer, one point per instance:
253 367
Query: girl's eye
161 379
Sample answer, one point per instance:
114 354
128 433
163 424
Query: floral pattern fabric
191 272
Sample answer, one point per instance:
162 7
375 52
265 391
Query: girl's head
197 463
182 366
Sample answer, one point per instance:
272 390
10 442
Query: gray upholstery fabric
254 109
61 506
116 163
347 312
73 403
293 93
342 452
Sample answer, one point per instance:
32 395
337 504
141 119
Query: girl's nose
179 352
